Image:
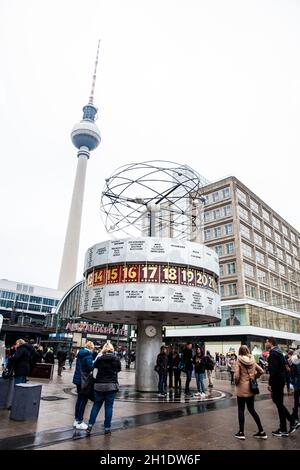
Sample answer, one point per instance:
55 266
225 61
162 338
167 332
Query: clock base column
147 349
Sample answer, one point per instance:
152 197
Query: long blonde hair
108 347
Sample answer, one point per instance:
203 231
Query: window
269 247
228 229
260 257
226 192
291 275
243 213
276 299
231 268
250 291
266 215
262 276
264 295
275 282
229 248
276 223
48 301
7 295
297 265
207 215
278 238
246 250
241 196
222 290
227 210
217 213
248 270
207 234
254 206
280 253
295 250
289 260
293 237
232 289
217 232
285 286
268 231
281 269
34 307
256 222
271 264
221 269
218 250
285 230
36 300
215 196
6 303
245 231
287 244
23 297
258 239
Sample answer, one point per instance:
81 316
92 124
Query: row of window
27 298
24 306
264 318
268 261
225 249
227 269
221 230
228 290
266 215
219 213
272 298
219 195
264 277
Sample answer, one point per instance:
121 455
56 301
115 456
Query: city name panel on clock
150 275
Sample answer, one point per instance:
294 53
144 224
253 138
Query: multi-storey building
259 270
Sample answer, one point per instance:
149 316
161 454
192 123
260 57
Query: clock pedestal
147 348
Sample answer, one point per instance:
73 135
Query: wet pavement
145 421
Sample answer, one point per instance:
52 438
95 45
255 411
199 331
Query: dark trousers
162 377
296 404
177 378
277 397
170 373
80 405
249 401
188 380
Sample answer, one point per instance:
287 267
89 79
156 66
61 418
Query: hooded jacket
276 367
108 365
84 363
20 362
295 372
245 369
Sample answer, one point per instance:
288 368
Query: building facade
259 270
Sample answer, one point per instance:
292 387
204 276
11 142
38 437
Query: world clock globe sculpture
159 274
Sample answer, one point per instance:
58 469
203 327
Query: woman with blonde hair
106 386
84 364
245 370
20 362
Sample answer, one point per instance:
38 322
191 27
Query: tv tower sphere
86 132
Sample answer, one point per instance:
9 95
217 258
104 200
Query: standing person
170 366
49 356
288 363
246 369
277 370
231 367
106 386
161 368
187 356
20 362
199 372
84 363
177 370
61 358
209 366
295 378
71 357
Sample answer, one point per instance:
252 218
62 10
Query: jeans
200 381
108 399
277 397
80 405
188 380
249 401
20 380
162 378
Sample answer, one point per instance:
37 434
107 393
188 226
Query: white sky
215 84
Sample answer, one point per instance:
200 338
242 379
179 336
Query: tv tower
86 137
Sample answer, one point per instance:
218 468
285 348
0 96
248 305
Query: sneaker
203 395
75 423
89 430
260 435
161 395
81 426
240 435
107 431
198 394
294 427
280 433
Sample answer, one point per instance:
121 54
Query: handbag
7 373
253 384
87 383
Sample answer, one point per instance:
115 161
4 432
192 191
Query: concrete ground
144 422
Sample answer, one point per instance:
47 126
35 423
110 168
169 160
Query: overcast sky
215 84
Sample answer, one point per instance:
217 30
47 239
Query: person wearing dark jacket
277 370
161 369
295 379
199 373
188 366
84 363
20 362
106 386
